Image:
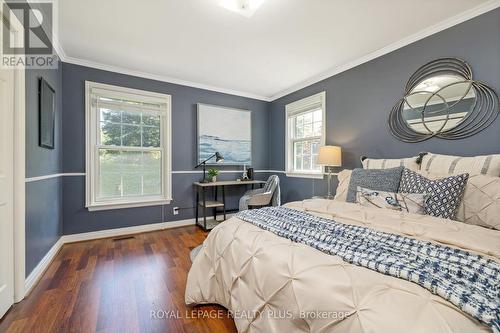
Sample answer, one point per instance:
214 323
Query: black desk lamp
218 159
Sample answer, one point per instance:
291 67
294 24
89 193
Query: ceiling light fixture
243 7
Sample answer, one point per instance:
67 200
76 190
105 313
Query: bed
272 284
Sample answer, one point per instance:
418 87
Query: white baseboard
125 231
38 271
42 266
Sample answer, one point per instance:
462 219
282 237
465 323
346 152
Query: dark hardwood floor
118 285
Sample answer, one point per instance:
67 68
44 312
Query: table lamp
330 156
218 159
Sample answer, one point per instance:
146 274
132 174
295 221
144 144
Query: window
305 133
128 148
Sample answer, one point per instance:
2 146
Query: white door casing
19 158
7 97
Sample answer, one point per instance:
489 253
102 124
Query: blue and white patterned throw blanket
469 281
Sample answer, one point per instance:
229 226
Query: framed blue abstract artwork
227 131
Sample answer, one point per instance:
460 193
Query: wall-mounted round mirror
442 100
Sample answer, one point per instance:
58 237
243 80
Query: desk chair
269 195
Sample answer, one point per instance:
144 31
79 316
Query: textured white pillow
480 203
447 164
344 178
410 163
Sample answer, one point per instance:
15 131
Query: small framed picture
47 114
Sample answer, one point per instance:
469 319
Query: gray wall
44 197
77 218
359 100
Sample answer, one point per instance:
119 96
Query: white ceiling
285 45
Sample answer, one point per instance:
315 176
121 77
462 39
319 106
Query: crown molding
162 78
443 25
56 44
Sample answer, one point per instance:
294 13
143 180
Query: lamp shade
330 156
218 157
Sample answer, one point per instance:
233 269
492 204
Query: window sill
305 175
127 204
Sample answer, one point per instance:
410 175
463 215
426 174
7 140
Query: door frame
19 180
19 168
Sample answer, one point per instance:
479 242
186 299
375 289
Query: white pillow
447 164
480 203
410 163
344 178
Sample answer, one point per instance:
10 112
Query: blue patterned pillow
386 180
443 195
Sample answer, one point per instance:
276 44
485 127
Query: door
6 188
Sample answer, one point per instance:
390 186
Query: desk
214 204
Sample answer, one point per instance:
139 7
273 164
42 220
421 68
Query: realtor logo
32 47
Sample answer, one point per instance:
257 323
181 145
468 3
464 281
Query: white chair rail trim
54 175
81 174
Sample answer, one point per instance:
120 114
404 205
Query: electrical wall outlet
175 210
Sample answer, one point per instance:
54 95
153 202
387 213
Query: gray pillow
375 179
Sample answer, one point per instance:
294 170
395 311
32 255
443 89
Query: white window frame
291 110
92 119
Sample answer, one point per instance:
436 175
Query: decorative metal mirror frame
481 115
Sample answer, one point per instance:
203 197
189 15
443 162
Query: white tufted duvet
271 284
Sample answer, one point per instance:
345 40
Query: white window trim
91 140
294 109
